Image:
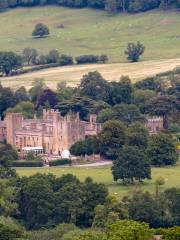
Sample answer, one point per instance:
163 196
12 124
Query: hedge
27 164
59 162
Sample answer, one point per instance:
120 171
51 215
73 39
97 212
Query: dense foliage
111 6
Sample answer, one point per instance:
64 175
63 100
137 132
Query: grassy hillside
103 174
73 74
90 31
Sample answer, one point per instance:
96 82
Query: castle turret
13 123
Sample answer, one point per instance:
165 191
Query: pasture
73 74
103 175
88 31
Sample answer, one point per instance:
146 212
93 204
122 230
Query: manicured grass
103 175
91 31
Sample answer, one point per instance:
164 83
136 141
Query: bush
65 60
59 162
87 59
27 164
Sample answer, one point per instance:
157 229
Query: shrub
27 164
65 60
59 162
87 59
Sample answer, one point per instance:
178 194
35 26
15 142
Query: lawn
90 31
103 175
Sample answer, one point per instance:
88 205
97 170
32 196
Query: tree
127 113
162 150
172 233
53 56
91 235
94 86
94 194
109 213
7 155
112 138
111 6
137 135
21 95
9 61
164 106
30 55
143 207
9 230
121 92
47 96
65 60
36 201
128 229
40 30
26 108
87 147
103 58
134 51
7 199
69 203
131 164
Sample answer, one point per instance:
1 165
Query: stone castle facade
54 133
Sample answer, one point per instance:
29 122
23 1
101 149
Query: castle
53 133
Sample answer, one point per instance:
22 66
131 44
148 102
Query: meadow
73 74
103 175
88 31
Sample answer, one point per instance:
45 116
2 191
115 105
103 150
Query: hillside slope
91 31
111 72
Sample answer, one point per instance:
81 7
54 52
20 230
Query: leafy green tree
137 135
53 56
172 233
69 203
9 61
37 89
89 146
131 164
30 55
112 138
26 108
162 150
9 230
111 6
7 99
91 235
65 60
7 155
164 106
121 92
36 201
7 199
21 95
109 213
94 86
142 206
127 113
134 51
172 197
141 97
95 194
40 30
128 229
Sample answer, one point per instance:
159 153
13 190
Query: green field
91 31
103 175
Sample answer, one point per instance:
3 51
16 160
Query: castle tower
13 123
